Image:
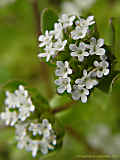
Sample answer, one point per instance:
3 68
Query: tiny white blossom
33 146
87 80
63 69
58 31
9 117
79 33
59 45
64 85
80 51
85 22
21 129
20 101
35 128
25 110
11 100
79 92
45 39
46 142
66 20
96 47
102 68
82 26
49 51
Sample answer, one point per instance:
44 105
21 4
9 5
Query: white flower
45 39
96 47
9 117
59 45
80 51
33 146
82 26
49 51
64 84
44 143
102 68
87 80
63 69
35 128
11 100
85 22
79 33
41 129
58 31
20 101
79 92
21 129
66 20
26 109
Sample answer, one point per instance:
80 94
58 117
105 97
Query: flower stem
37 16
63 108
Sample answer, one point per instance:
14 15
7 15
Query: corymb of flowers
79 54
33 135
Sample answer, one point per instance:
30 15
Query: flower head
82 57
49 52
45 39
79 92
44 137
58 31
80 51
63 69
88 80
66 21
9 117
64 85
96 47
102 68
21 104
82 27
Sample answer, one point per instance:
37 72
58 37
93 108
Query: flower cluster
30 134
18 106
44 137
80 56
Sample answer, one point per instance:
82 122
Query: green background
18 61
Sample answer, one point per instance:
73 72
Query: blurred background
97 122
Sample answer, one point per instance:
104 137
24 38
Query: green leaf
49 17
115 24
106 82
58 101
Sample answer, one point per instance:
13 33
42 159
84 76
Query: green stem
37 16
63 108
113 35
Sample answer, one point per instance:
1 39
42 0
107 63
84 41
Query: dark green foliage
115 24
48 19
